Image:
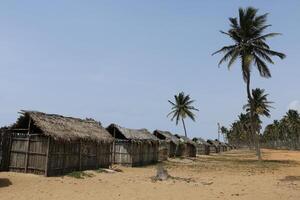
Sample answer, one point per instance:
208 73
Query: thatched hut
214 146
52 144
223 146
171 141
187 147
203 148
133 147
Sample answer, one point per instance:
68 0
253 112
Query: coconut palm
182 108
260 106
249 45
292 122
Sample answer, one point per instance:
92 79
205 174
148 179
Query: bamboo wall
42 155
163 150
82 155
4 151
133 153
202 149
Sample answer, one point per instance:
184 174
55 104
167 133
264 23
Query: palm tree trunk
184 127
252 123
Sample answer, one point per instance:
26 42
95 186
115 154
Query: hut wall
66 157
202 149
39 154
28 153
172 149
192 151
4 151
133 153
122 152
180 149
212 149
164 149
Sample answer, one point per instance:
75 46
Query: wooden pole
47 157
97 164
80 155
28 146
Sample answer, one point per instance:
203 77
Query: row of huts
51 144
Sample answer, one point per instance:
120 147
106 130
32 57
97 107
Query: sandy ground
231 175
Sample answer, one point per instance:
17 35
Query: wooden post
47 157
28 145
114 147
80 155
27 153
97 163
64 157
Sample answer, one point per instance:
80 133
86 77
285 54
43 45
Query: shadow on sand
4 182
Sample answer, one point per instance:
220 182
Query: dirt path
233 175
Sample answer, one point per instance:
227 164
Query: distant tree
182 107
284 133
249 45
292 123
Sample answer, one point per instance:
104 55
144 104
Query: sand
231 175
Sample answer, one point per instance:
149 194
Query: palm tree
292 120
260 106
247 33
182 108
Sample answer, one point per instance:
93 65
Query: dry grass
236 161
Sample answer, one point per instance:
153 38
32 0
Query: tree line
280 134
283 133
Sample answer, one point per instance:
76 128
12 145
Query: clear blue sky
120 61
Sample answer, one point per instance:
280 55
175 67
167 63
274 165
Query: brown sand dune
232 175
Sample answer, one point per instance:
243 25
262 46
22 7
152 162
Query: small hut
187 147
133 147
223 146
203 148
172 142
214 146
51 144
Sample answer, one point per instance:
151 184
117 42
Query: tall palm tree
182 108
260 106
249 45
292 120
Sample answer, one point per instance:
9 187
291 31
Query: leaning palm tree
260 106
182 108
249 45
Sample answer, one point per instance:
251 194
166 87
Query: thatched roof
65 128
185 139
167 135
133 134
221 143
213 142
200 140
